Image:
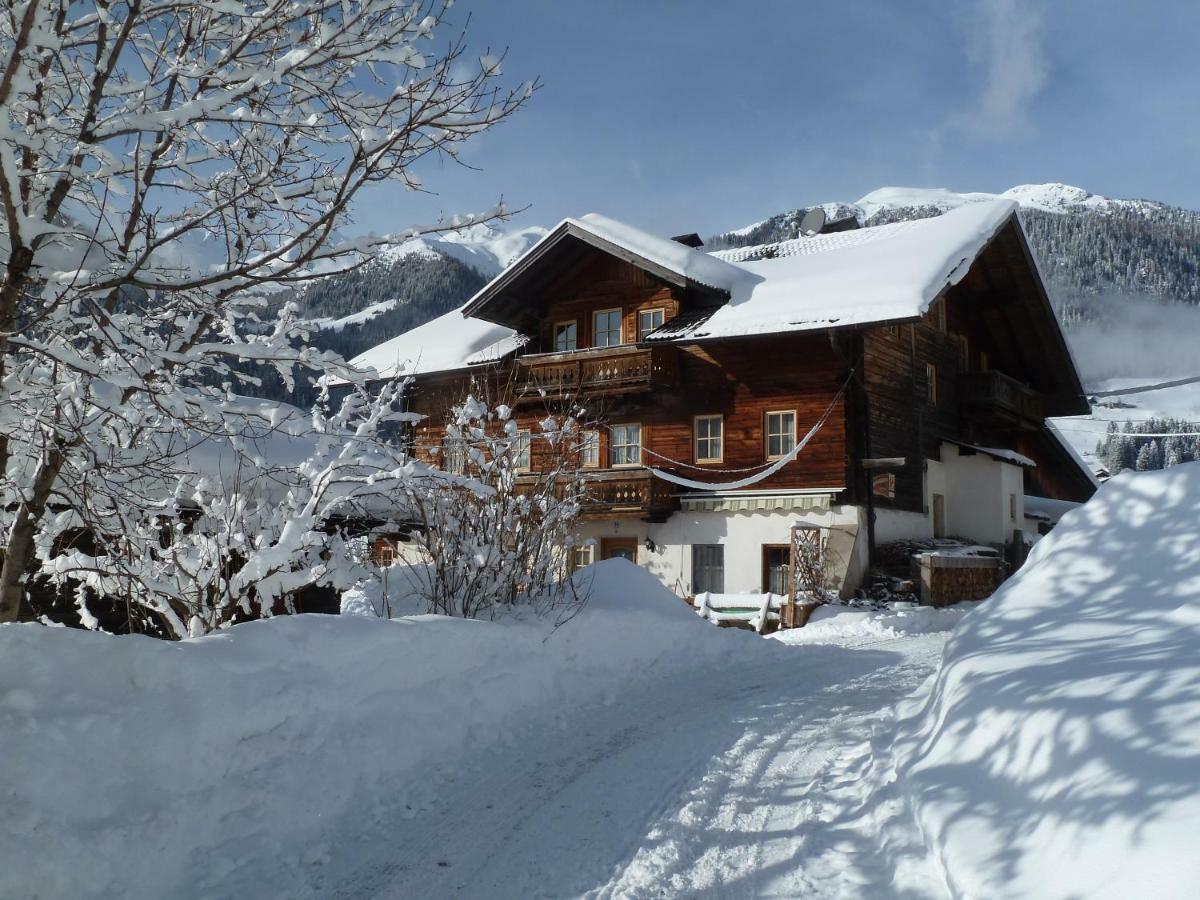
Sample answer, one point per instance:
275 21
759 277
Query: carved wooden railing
619 493
607 370
992 391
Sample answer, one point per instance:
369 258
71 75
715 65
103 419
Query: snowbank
1057 752
837 624
222 765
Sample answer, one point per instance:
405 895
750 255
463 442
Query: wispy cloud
1007 46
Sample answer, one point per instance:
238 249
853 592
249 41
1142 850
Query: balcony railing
620 493
600 371
994 395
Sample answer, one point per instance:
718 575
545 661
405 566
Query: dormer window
648 320
566 336
606 328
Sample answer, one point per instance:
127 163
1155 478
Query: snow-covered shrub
503 534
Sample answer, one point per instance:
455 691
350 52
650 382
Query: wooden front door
620 547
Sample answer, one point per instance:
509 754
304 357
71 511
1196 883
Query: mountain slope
1087 245
406 285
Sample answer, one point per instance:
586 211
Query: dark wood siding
740 380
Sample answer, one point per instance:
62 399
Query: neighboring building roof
1046 510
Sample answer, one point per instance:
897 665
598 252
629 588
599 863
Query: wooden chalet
930 348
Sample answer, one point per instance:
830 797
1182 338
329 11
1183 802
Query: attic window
566 336
648 320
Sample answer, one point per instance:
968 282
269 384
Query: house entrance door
619 548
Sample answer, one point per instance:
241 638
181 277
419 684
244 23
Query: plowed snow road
751 783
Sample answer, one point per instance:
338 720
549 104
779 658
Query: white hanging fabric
765 473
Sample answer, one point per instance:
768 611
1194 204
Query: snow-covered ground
637 750
1083 432
1057 754
754 777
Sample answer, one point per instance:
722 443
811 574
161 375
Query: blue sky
699 116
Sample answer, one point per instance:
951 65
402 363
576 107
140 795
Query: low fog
1136 337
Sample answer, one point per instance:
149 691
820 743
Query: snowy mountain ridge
1052 197
483 247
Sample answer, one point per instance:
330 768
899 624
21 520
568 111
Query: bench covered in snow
757 611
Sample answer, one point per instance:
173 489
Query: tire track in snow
747 788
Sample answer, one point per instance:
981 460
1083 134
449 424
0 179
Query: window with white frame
566 336
584 556
520 451
625 446
781 433
589 449
709 433
648 320
606 328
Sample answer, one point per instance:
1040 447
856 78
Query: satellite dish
813 222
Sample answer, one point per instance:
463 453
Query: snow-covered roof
871 275
1046 509
687 262
1071 451
450 341
997 453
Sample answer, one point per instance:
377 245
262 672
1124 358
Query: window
984 363
583 556
648 320
939 315
781 433
1012 507
708 569
606 328
931 386
777 563
625 448
589 449
965 349
566 336
454 455
520 451
708 431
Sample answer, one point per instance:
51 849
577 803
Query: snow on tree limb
164 166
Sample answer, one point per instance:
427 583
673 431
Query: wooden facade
983 366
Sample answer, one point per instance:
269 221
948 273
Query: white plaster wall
901 525
977 489
743 535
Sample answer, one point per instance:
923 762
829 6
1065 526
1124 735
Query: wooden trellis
806 575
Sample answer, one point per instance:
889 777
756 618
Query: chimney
689 240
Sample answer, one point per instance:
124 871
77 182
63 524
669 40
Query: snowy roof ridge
687 262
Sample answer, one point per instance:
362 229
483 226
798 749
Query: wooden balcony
608 370
995 400
622 494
